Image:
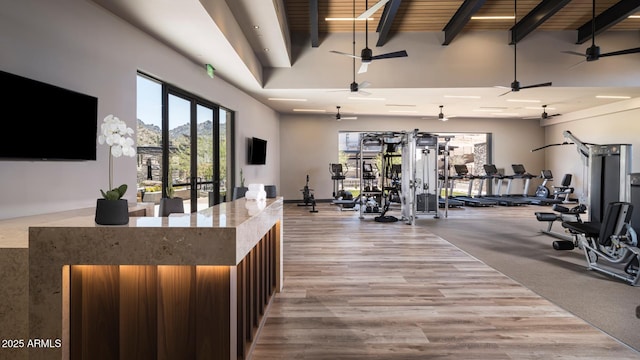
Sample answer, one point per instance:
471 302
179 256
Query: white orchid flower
115 133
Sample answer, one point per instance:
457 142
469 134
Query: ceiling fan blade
576 64
573 53
365 93
345 54
348 118
363 68
390 55
370 11
506 92
364 84
535 86
622 52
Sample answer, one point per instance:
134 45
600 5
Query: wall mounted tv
50 123
257 151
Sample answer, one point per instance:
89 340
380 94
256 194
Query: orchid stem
110 170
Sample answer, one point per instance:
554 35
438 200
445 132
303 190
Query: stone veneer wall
14 304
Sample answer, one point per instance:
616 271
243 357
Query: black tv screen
50 123
257 151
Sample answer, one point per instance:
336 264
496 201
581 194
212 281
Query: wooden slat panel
242 321
212 308
94 315
425 15
138 312
176 312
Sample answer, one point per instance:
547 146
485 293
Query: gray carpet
513 245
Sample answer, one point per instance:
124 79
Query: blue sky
149 105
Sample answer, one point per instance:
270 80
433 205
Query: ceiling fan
339 117
441 115
354 87
515 85
593 52
544 114
366 54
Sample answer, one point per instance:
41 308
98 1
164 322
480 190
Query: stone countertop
219 235
14 233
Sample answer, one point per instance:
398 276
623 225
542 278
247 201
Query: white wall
78 45
310 143
616 123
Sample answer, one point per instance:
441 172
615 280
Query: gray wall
310 143
616 123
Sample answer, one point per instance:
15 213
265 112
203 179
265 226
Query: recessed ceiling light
505 17
310 110
523 100
487 110
366 98
612 97
286 99
346 19
462 96
256 26
266 49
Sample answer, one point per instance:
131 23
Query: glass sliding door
149 140
178 131
184 142
205 183
225 134
192 161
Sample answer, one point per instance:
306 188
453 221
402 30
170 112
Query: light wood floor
357 289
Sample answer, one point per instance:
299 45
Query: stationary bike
307 197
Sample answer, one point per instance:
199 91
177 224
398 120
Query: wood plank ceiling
429 15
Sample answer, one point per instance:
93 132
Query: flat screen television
48 122
257 151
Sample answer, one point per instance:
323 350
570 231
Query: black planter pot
239 192
171 206
112 212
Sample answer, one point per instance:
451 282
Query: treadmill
493 174
521 173
462 172
451 201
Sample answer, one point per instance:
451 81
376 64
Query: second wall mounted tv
50 123
257 151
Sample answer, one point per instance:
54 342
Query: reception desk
187 286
